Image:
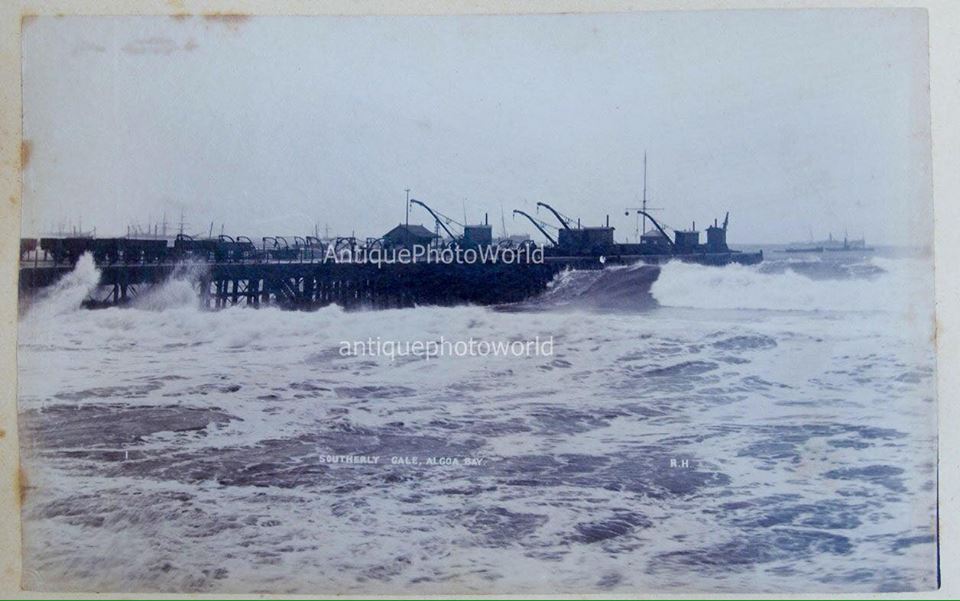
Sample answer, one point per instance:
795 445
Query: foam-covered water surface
763 428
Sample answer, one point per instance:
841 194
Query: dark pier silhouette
297 285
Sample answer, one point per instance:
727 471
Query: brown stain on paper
26 151
233 21
21 484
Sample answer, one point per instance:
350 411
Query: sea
766 428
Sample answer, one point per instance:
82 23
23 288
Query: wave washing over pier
739 428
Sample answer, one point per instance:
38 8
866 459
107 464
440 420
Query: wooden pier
313 284
298 285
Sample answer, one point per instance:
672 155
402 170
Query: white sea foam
903 284
68 293
178 291
774 404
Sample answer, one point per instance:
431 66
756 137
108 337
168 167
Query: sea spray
68 293
620 288
901 285
181 289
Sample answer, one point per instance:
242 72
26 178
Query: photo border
944 48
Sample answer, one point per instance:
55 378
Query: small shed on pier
654 239
407 236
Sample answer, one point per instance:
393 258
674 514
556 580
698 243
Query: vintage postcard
612 303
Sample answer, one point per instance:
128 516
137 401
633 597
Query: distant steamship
831 244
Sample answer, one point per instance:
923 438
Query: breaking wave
180 290
620 288
890 285
68 293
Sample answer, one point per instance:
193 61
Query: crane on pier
660 229
540 225
563 219
441 219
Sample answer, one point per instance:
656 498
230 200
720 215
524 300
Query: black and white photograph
614 303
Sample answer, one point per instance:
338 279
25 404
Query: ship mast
643 229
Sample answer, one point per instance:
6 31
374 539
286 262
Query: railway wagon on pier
105 251
27 245
223 249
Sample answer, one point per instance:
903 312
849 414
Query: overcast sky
794 121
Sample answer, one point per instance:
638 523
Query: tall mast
643 229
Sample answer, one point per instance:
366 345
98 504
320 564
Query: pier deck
308 285
311 285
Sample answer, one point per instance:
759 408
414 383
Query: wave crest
897 285
68 293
